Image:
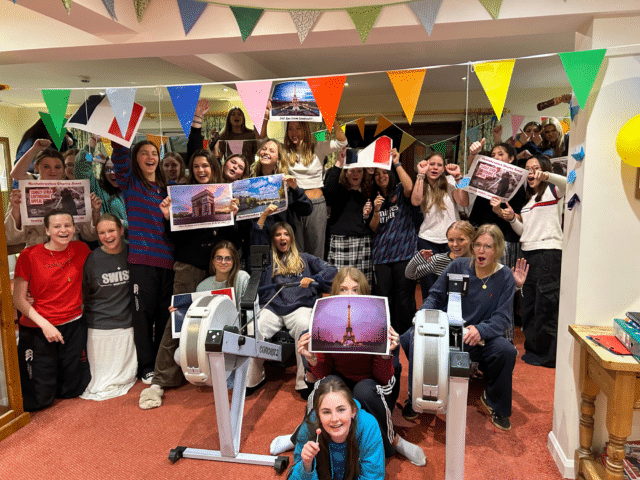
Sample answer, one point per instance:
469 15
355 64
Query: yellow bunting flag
67 5
140 6
565 126
383 124
406 141
106 143
360 123
495 78
157 140
407 84
327 91
492 6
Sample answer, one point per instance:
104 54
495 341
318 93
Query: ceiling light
464 79
346 84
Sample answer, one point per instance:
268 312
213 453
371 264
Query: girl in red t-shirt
52 346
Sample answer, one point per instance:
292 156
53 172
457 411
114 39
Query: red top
354 366
55 281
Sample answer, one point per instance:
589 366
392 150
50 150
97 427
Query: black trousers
401 292
151 288
540 304
50 370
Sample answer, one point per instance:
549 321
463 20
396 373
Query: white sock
155 387
411 452
281 444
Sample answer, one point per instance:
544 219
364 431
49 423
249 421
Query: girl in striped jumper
141 179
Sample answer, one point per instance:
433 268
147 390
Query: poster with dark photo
491 177
200 206
41 196
559 165
293 101
350 324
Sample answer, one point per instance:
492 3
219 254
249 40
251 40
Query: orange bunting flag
327 91
407 84
106 143
406 141
360 123
495 78
157 140
383 124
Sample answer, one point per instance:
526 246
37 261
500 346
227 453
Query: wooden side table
617 376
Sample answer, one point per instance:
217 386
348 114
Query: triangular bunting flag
474 133
303 20
67 5
157 140
516 122
495 78
190 11
492 6
185 99
56 101
205 143
464 182
254 96
573 107
360 123
407 84
571 178
140 6
582 69
107 146
405 141
578 153
565 126
235 146
364 18
57 135
162 151
108 4
427 12
440 147
383 124
247 19
121 100
321 135
327 92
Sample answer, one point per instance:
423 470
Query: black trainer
503 423
408 412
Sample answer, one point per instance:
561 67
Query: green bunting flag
364 18
57 135
140 6
321 135
492 6
67 5
56 101
247 19
440 147
582 69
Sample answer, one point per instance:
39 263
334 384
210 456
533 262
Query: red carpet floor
114 439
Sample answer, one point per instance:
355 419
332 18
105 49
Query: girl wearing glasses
105 186
487 310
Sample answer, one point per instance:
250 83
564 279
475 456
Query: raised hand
291 181
366 210
426 254
507 213
453 169
540 175
423 167
520 272
202 107
395 156
377 203
342 157
308 453
41 144
495 203
476 147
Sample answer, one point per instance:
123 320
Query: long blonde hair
307 146
558 146
434 194
498 238
355 275
287 263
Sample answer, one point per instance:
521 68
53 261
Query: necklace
58 264
488 277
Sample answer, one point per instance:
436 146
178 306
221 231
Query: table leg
619 420
587 409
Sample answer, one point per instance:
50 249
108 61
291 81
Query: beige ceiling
41 46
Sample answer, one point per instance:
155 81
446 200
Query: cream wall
601 258
13 123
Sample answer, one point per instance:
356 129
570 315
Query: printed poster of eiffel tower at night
350 324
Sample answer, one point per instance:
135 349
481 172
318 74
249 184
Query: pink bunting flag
516 122
254 96
235 146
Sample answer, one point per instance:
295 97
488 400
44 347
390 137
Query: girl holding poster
371 378
50 164
306 164
541 241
